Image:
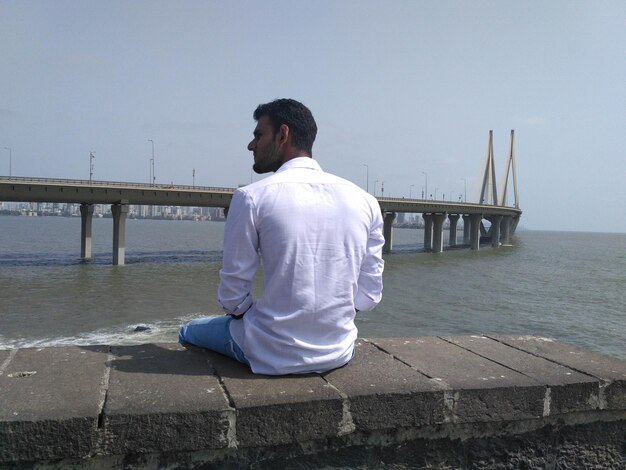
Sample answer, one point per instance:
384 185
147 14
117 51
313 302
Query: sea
568 286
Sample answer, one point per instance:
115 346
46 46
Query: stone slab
482 390
50 400
128 405
610 370
5 359
163 397
569 390
385 393
275 410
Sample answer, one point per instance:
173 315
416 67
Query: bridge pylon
510 165
489 192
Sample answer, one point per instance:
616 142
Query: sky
402 91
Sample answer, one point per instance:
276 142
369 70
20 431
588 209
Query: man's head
285 130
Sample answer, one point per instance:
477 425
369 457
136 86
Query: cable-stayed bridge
121 195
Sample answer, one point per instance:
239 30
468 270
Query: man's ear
284 135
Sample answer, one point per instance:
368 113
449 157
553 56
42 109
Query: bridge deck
18 189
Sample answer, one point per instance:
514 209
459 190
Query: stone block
610 370
275 410
5 357
385 393
50 400
568 390
161 398
480 389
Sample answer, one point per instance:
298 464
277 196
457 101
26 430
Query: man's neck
292 153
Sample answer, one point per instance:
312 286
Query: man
319 239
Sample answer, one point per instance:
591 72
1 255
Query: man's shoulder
256 185
294 177
349 185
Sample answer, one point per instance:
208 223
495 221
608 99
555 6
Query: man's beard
270 166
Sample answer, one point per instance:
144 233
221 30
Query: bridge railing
437 201
26 180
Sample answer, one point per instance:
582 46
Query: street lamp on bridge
152 175
10 158
425 183
91 157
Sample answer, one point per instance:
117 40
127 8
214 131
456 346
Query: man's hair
296 116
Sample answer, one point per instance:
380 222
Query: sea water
564 285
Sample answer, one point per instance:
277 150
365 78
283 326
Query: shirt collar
300 162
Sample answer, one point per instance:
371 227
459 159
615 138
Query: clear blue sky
403 86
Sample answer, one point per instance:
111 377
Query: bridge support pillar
438 232
496 220
514 223
389 217
453 218
86 216
475 223
505 227
467 225
119 211
428 231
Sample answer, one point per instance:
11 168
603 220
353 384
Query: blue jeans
212 333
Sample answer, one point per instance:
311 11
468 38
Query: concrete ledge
162 398
456 399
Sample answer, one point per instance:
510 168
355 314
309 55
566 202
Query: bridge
121 195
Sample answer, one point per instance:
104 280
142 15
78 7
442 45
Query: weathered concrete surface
609 370
163 398
50 400
592 446
4 360
279 410
385 393
479 388
567 390
453 402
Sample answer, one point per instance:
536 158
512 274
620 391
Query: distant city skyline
134 210
403 92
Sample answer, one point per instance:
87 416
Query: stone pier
437 246
506 230
496 220
119 212
86 217
453 219
467 225
389 217
429 402
428 231
475 224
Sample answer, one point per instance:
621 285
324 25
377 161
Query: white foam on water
165 331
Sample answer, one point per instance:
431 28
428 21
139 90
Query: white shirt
319 239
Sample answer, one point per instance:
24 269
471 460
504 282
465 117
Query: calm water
568 286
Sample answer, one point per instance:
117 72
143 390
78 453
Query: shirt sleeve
370 283
240 259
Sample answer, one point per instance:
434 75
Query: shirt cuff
242 308
365 303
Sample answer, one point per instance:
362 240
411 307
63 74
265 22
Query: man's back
320 239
